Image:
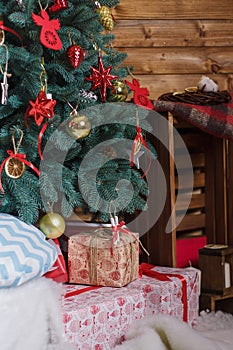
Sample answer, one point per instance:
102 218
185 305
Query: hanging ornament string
115 226
4 84
138 141
15 163
48 35
41 108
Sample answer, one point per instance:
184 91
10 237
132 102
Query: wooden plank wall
172 43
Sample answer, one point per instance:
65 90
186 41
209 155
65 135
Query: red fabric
187 251
59 273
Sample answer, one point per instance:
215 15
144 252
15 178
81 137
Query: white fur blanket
31 317
168 333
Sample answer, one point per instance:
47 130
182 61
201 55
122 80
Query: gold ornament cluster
106 18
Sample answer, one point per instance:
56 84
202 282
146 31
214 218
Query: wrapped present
170 291
103 257
98 317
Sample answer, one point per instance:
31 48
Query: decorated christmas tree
61 79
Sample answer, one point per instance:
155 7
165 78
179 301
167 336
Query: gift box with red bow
170 291
104 257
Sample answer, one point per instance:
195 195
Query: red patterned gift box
94 258
170 291
98 318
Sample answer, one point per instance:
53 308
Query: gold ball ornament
52 225
14 168
78 126
119 92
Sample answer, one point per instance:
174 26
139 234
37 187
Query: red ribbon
22 158
140 138
42 131
145 269
11 31
120 227
80 291
58 272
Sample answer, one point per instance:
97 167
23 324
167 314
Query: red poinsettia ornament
101 78
140 94
48 35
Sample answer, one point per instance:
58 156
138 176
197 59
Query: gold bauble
78 126
119 92
52 225
14 168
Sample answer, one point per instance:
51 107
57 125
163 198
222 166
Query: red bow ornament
40 109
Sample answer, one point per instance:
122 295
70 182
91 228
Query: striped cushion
24 252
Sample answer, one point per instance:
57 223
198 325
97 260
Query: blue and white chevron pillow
24 252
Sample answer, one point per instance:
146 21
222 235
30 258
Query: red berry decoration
58 5
75 54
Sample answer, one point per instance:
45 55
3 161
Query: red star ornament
101 78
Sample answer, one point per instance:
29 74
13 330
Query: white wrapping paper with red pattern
98 319
172 291
94 259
